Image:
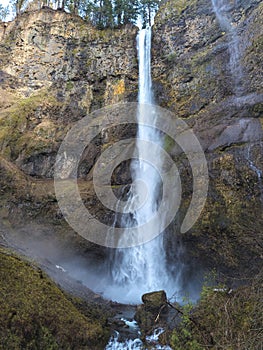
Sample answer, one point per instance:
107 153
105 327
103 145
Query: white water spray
137 344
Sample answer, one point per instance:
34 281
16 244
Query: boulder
152 312
155 300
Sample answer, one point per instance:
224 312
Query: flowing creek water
136 344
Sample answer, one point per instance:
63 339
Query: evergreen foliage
148 8
101 13
4 12
112 13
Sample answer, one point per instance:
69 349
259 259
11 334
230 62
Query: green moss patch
35 314
14 124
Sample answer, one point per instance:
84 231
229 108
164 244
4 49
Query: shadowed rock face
153 311
55 68
193 76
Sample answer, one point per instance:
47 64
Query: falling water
222 10
142 268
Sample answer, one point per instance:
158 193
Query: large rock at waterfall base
152 312
155 300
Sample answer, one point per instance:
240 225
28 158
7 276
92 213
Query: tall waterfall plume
142 268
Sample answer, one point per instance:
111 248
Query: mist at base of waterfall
181 286
128 294
98 282
88 267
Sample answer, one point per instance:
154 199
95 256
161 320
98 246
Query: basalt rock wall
208 72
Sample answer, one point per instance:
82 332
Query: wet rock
155 300
152 312
192 76
244 130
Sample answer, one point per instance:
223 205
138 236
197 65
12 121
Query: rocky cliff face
209 73
54 68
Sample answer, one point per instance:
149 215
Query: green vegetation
101 13
171 57
223 319
148 8
4 12
169 143
172 9
14 123
183 338
35 314
112 13
69 85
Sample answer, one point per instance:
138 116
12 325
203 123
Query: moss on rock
18 119
35 314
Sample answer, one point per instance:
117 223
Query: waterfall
142 268
140 256
222 10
